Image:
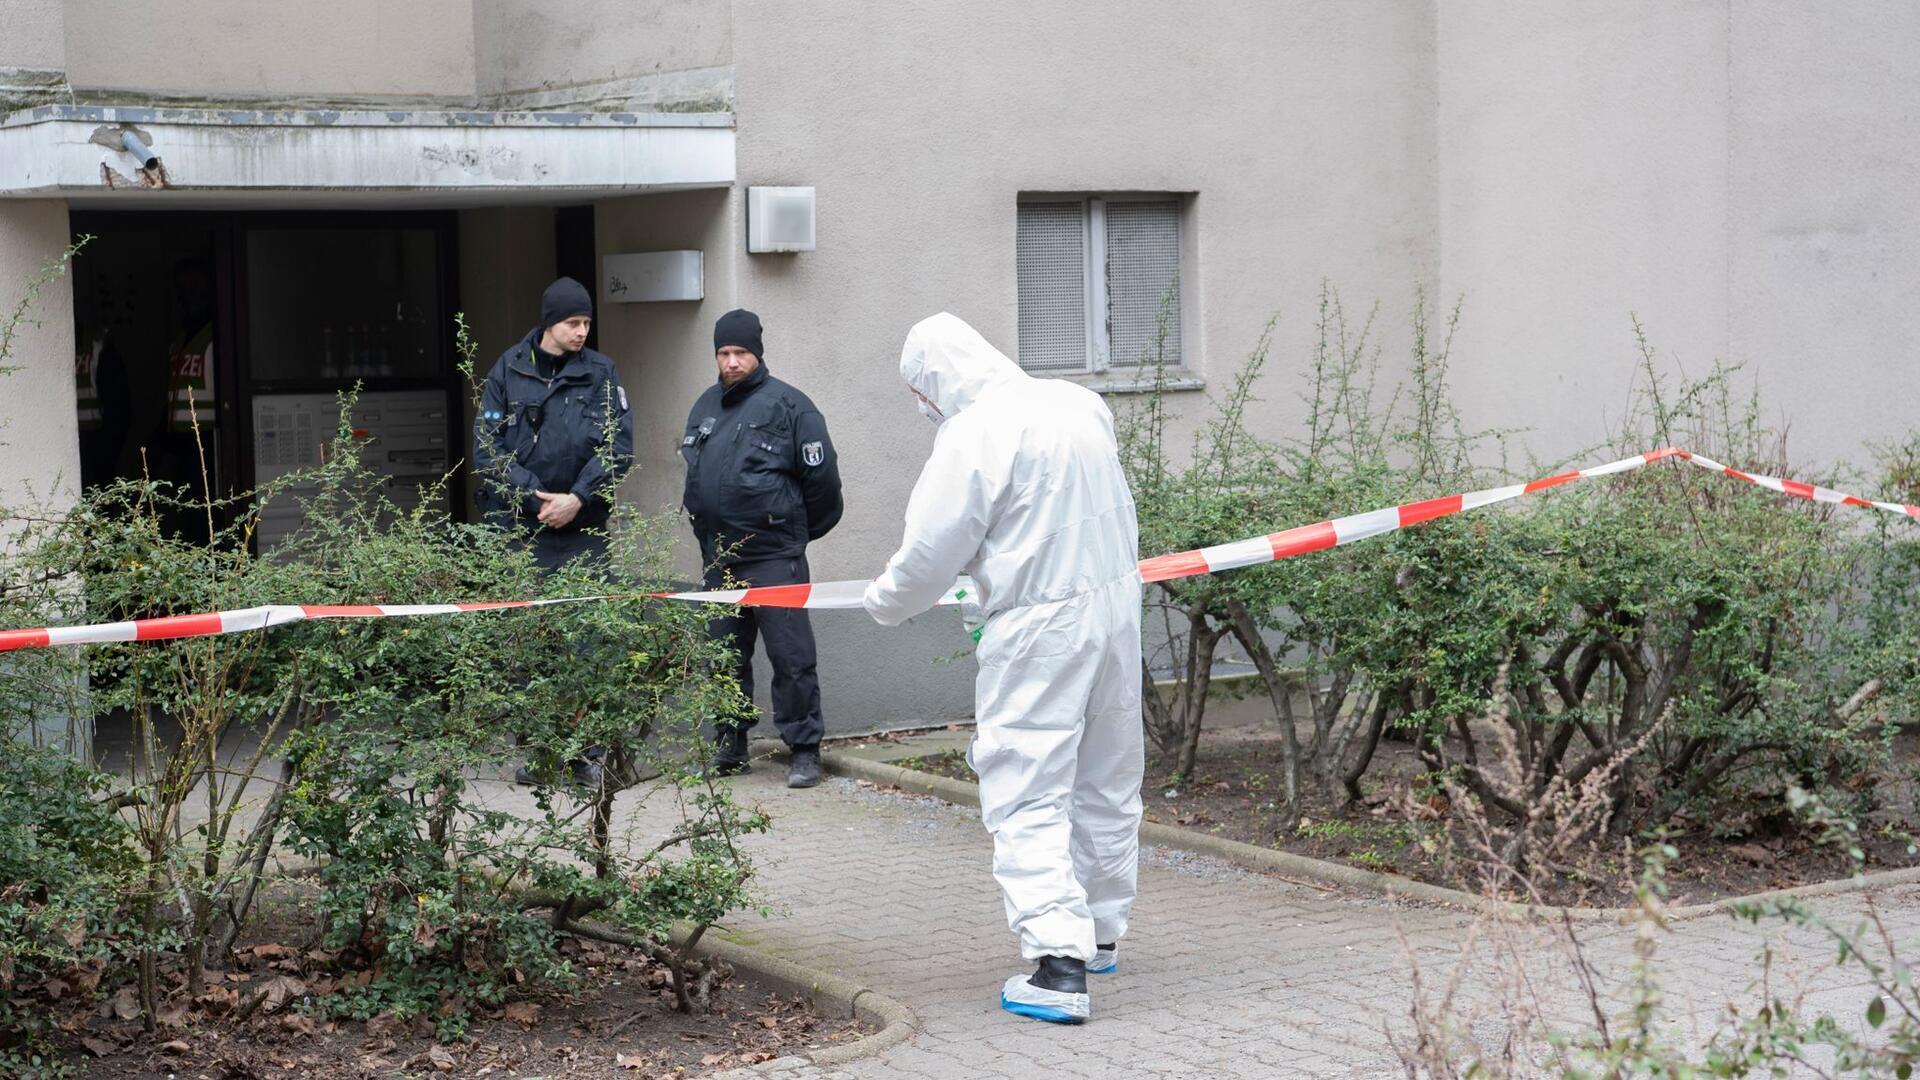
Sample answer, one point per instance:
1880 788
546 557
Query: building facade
309 196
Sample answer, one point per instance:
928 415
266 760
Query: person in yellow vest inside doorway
102 397
191 423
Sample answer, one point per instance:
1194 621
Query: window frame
1100 367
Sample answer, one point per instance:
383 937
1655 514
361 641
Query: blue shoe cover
1022 998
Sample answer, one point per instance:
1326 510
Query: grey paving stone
1225 973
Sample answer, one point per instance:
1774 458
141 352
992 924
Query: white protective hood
949 363
1023 491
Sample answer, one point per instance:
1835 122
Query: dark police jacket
762 477
571 433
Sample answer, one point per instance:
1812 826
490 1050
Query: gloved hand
971 616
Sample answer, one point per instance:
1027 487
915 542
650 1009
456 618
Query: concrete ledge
829 993
1321 872
286 156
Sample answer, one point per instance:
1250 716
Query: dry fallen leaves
279 990
630 1061
386 1026
524 1013
298 1024
218 999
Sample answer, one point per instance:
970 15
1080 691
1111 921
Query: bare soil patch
1401 827
617 1021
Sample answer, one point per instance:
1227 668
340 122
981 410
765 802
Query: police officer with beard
762 481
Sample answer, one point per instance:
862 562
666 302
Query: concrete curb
829 993
1321 872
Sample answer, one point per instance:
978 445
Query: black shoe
1061 974
588 774
804 770
524 776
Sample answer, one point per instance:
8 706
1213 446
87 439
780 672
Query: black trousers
554 549
788 635
551 551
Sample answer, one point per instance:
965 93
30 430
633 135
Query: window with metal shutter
1143 265
1051 255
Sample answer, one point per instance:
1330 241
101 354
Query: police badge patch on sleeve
812 453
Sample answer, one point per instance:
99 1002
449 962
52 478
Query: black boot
730 753
1062 974
1056 993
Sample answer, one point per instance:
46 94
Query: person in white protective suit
1024 493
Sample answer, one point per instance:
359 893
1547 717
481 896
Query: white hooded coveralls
1025 494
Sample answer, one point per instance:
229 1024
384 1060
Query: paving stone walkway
1226 972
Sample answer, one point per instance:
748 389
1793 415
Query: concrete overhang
363 157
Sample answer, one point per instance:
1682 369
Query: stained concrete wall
524 45
215 49
1742 177
39 430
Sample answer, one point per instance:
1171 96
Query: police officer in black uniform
762 481
554 434
552 438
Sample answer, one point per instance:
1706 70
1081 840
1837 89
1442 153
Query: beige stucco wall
1744 179
1303 130
1823 181
32 35
665 350
534 45
665 355
39 432
352 49
1306 143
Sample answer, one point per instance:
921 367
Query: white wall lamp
779 219
651 276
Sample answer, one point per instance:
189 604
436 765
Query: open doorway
212 349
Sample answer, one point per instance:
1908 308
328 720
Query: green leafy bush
65 862
367 745
1595 661
446 900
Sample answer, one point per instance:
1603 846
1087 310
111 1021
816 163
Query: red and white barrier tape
167 627
826 595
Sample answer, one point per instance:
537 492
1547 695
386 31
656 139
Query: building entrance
210 350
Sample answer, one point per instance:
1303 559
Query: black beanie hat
738 327
563 299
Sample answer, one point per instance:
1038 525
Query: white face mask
928 409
